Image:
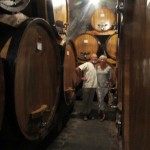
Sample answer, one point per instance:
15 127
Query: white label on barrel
102 15
85 41
68 53
39 46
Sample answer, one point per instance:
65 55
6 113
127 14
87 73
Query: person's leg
90 104
99 97
101 93
85 93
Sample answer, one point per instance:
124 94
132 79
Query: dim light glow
58 3
148 1
94 2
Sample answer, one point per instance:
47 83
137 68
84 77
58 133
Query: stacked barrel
34 67
103 22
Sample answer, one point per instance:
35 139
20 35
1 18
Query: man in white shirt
89 84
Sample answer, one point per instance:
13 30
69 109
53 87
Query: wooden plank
109 32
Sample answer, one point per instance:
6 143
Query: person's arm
79 75
110 78
78 71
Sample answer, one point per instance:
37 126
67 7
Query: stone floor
87 135
78 134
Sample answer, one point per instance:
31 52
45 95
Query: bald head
93 57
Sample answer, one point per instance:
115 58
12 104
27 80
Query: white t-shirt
89 72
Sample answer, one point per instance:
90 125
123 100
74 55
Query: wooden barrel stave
134 74
69 75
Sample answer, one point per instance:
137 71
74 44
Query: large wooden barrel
2 94
69 75
85 45
13 5
32 78
103 19
134 58
111 46
56 13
